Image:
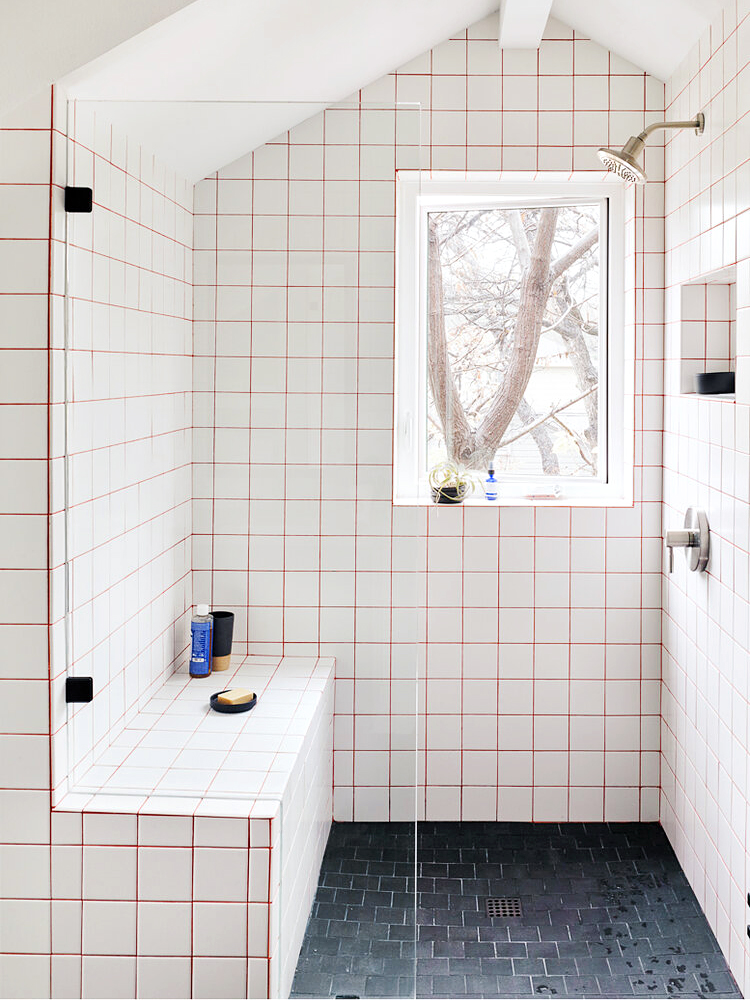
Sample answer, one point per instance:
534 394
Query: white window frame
417 195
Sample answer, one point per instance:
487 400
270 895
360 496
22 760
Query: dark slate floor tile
573 949
543 949
497 967
386 949
348 985
560 967
465 966
382 986
511 949
366 965
615 986
448 986
500 936
480 949
436 966
448 949
580 986
312 984
593 967
548 986
529 967
607 913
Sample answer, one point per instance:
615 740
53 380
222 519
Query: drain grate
503 906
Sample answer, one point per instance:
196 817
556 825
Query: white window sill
510 501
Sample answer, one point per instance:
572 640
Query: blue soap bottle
201 639
490 486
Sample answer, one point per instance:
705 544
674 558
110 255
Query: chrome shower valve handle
694 538
679 538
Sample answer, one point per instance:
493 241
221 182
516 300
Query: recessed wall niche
708 324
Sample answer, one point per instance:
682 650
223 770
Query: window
510 348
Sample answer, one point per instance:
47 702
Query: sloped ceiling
315 53
654 34
41 40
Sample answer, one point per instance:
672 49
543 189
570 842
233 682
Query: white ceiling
654 34
318 51
43 39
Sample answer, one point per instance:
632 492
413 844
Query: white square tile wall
705 802
174 924
25 857
539 641
128 427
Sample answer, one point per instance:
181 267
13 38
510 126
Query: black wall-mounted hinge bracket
79 199
80 689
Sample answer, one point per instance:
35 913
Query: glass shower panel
227 416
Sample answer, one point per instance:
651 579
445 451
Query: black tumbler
221 651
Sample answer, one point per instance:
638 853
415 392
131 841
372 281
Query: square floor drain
503 906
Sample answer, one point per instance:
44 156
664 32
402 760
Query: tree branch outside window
513 339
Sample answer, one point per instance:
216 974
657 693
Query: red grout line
50 760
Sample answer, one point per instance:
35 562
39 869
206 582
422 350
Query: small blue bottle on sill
490 487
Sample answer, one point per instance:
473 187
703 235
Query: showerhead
624 162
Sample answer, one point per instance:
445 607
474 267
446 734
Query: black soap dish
244 706
714 383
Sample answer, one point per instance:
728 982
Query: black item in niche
714 383
79 199
79 689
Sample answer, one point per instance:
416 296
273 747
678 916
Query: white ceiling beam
522 23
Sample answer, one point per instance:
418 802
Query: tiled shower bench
186 859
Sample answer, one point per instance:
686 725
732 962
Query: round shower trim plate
697 555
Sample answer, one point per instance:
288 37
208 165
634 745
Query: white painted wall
42 40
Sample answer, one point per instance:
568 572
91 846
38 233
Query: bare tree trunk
535 288
570 328
476 449
459 438
542 439
540 435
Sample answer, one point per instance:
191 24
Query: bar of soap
235 696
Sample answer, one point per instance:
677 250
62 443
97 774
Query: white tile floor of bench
176 745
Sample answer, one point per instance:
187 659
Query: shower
624 162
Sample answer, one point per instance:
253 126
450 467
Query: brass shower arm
697 123
624 162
